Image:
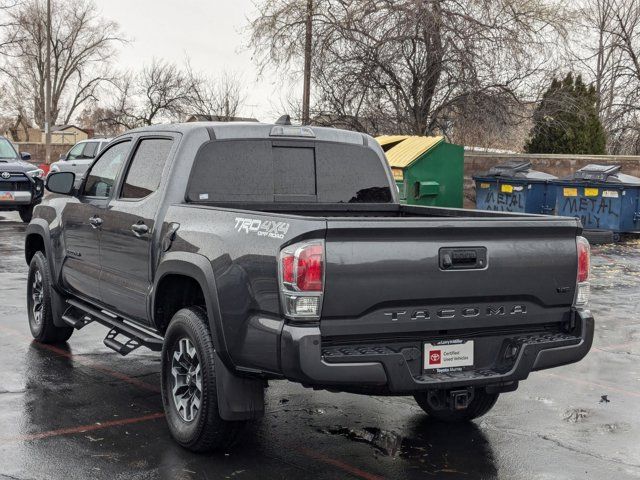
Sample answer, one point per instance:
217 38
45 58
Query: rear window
90 149
287 171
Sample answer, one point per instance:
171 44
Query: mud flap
239 398
58 307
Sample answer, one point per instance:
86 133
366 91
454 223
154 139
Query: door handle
95 221
139 229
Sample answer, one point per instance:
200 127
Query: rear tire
189 391
481 404
40 311
26 213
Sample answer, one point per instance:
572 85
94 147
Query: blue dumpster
514 187
602 197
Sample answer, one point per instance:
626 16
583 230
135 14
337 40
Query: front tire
480 405
26 213
40 311
189 390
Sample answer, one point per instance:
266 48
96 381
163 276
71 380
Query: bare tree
164 91
282 35
220 97
624 75
97 118
605 47
158 93
413 65
82 47
278 31
7 32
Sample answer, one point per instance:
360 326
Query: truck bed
363 210
384 273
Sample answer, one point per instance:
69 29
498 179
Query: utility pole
306 94
47 94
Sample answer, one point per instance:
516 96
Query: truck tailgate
411 275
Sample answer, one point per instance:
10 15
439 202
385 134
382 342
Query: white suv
80 157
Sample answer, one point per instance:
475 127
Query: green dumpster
427 170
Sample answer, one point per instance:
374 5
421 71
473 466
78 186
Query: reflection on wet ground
81 411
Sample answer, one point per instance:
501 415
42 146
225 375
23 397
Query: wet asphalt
82 411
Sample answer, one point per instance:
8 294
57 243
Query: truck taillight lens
310 268
583 288
302 279
287 269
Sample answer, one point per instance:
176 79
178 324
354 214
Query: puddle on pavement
615 280
575 415
433 447
426 438
385 442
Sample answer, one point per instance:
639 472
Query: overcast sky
209 32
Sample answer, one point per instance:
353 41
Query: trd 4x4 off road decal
262 228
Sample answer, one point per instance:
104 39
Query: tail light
301 272
583 289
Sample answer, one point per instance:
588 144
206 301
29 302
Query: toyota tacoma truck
21 184
249 253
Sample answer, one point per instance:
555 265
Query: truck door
82 221
129 229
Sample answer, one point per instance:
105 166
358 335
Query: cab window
145 170
102 176
75 152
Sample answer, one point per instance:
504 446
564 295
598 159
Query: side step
76 318
78 315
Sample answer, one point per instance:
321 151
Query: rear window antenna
284 120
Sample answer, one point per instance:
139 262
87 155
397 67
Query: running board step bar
78 315
76 318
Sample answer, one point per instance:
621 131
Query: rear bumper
398 370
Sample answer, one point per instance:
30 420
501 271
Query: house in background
60 134
19 130
66 134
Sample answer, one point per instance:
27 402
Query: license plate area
448 356
6 197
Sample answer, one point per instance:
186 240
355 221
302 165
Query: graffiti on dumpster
501 202
591 211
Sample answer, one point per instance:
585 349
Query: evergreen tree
566 120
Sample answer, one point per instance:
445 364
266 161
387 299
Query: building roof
59 128
385 140
409 149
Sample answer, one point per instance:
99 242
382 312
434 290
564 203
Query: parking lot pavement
82 411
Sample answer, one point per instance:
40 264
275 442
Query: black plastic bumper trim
302 361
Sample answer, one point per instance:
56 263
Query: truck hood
15 165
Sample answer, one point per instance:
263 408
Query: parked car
79 158
249 253
21 183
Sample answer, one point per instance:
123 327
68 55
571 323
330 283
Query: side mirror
25 155
63 156
61 182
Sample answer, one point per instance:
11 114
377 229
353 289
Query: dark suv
21 184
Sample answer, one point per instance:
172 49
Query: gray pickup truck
249 253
